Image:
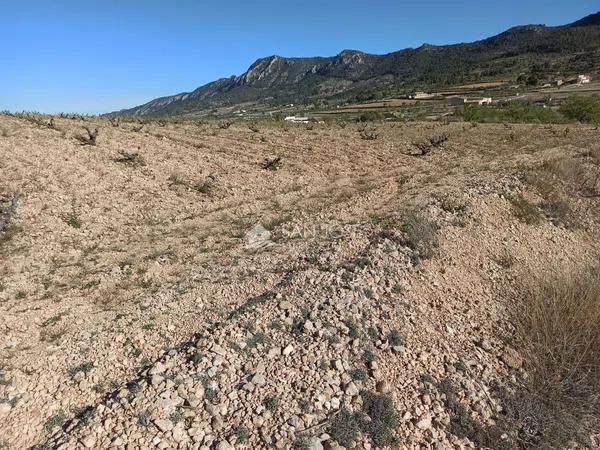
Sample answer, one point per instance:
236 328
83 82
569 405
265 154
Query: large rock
258 237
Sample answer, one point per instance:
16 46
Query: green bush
583 109
514 112
346 427
378 418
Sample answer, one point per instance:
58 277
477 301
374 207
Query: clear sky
94 56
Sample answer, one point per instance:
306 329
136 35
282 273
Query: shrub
83 415
421 235
358 374
557 324
353 330
301 443
197 357
207 186
384 418
242 434
73 220
83 367
210 393
362 261
368 357
57 420
176 416
395 338
462 423
583 109
369 116
377 417
255 340
346 427
271 403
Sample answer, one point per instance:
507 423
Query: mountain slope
355 75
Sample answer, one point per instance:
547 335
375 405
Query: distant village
460 100
543 95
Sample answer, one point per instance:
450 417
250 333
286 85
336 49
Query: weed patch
420 235
557 325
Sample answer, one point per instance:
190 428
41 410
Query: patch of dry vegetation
558 330
421 235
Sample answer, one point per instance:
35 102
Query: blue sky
94 56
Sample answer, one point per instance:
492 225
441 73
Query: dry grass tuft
421 235
524 210
558 331
579 176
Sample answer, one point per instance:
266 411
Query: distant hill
526 53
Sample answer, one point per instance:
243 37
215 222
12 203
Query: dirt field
137 311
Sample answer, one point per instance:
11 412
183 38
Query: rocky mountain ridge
354 75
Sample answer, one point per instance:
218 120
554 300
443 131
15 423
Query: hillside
355 76
178 286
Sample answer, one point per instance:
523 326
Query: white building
479 101
296 119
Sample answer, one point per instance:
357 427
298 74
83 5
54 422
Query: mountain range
527 53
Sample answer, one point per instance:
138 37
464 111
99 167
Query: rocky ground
201 286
